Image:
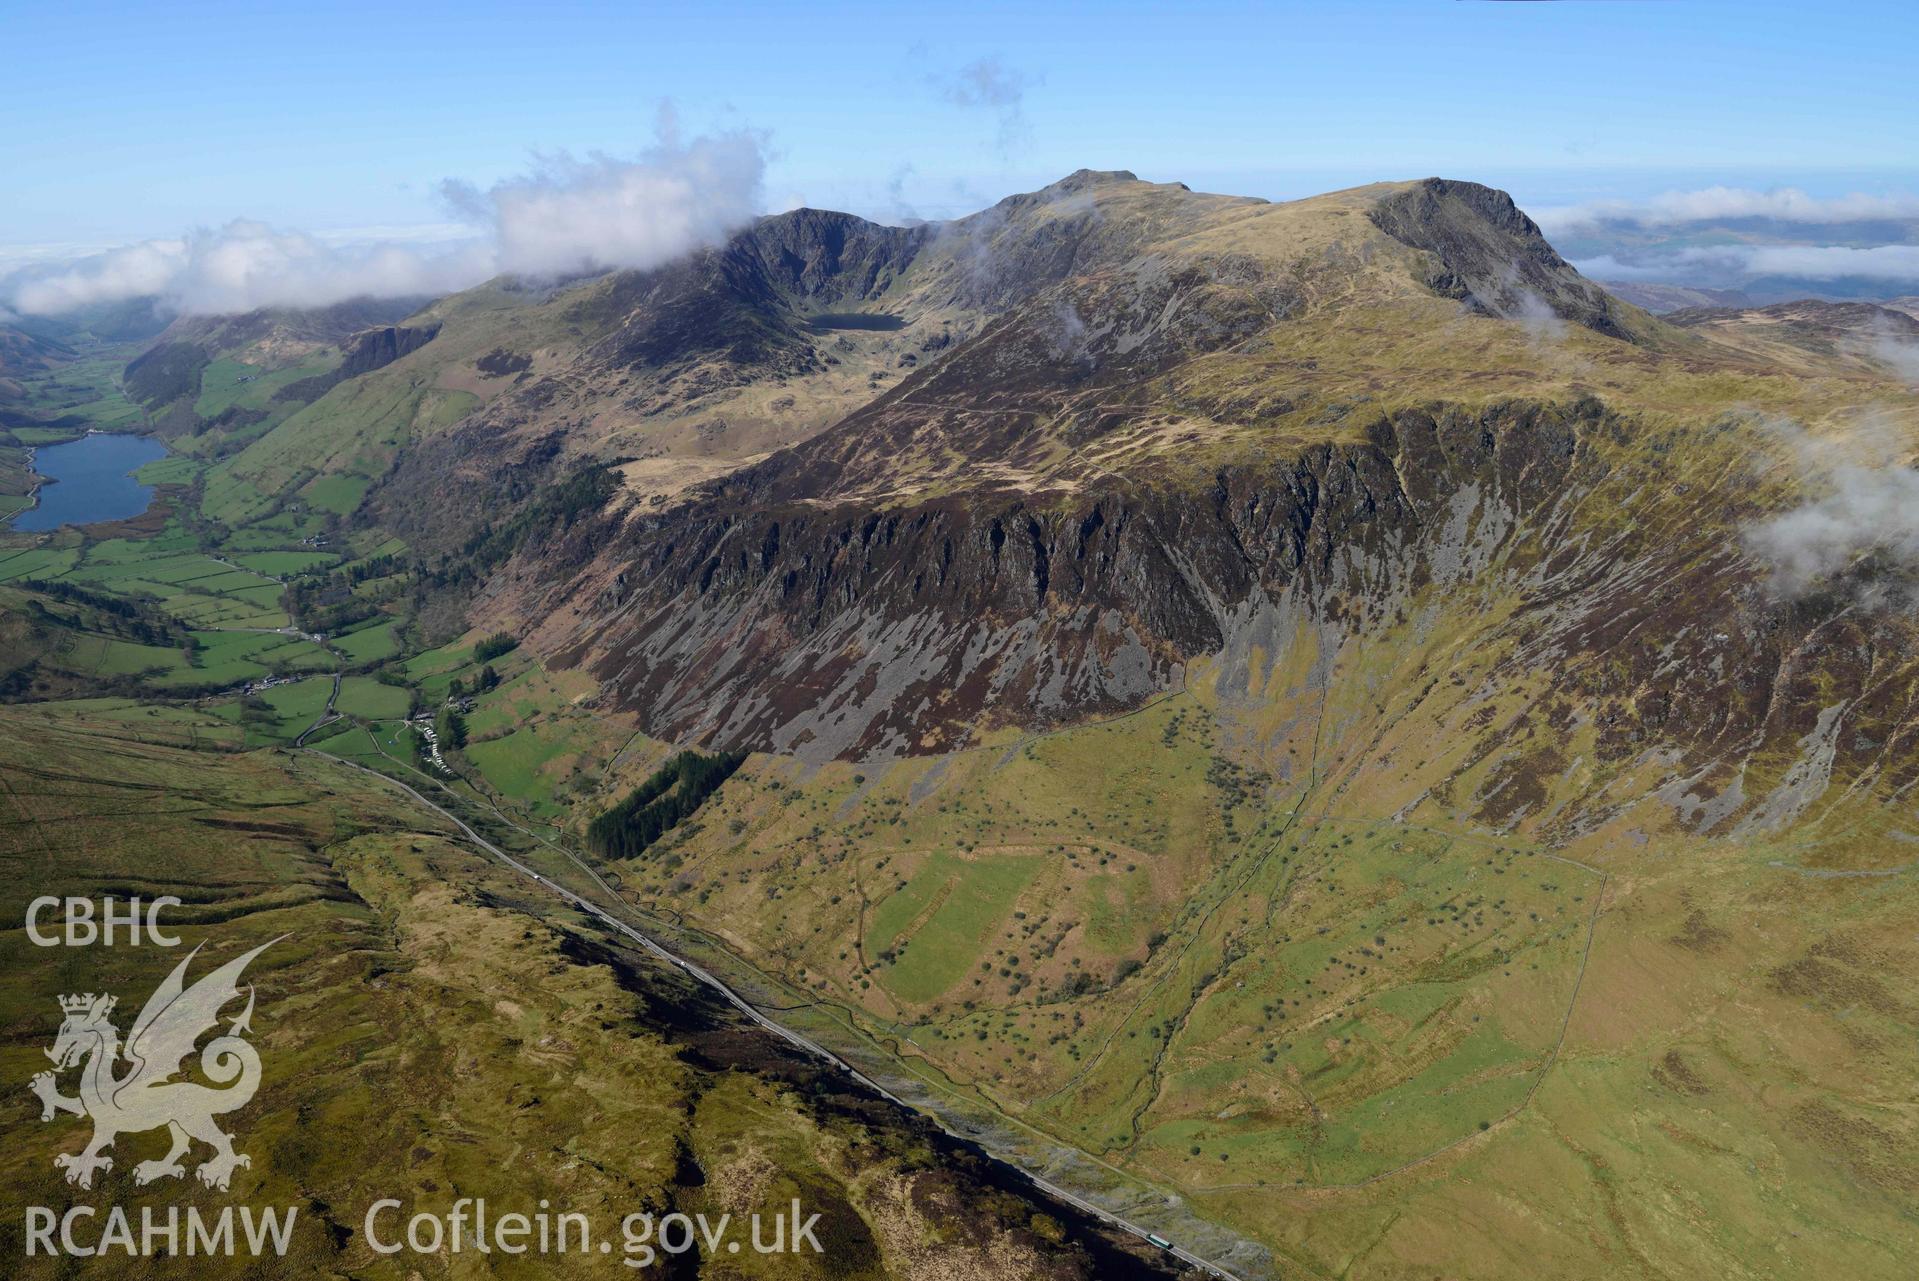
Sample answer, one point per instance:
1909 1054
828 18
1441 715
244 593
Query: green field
337 494
285 564
944 919
368 699
368 643
173 470
230 384
287 710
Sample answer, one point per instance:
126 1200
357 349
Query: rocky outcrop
377 348
165 378
850 631
1493 258
363 353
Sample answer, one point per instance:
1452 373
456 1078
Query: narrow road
733 998
326 714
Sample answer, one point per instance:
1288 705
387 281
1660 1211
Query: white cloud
423 233
571 215
1895 352
564 217
1831 262
1870 506
1531 310
1719 204
245 265
1807 262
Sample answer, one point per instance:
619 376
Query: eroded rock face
849 632
1492 257
1150 576
377 348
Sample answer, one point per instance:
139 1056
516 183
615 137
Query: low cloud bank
571 215
1807 262
565 216
245 265
1896 352
1869 507
1723 204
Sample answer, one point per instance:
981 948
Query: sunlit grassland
231 384
431 1026
336 494
368 699
368 642
284 564
187 583
291 708
171 470
531 738
932 926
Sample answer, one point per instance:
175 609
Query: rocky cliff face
377 348
851 632
856 631
1494 258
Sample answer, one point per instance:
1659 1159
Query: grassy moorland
433 1026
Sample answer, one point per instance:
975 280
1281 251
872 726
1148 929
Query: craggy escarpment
1494 258
362 354
1619 607
842 631
377 348
166 378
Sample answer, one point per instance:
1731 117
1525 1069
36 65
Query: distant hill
264 364
1835 334
22 352
1660 299
128 321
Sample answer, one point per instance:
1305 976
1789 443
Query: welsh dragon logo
145 1096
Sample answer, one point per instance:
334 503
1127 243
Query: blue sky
132 121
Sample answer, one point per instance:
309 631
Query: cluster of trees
493 646
326 602
451 727
545 513
656 806
326 605
362 571
486 680
117 615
